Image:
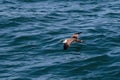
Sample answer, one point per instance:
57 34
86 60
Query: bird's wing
75 35
66 46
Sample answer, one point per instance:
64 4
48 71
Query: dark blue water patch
98 8
31 1
20 78
55 16
114 52
40 71
78 11
7 2
112 15
114 6
21 47
114 39
83 70
9 24
67 32
24 38
65 69
23 19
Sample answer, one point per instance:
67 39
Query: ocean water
31 34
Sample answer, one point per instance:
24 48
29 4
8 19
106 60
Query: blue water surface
31 34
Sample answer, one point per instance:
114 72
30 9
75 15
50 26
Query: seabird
73 38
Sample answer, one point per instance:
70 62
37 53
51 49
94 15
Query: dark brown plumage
73 38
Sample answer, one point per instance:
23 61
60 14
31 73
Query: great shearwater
73 38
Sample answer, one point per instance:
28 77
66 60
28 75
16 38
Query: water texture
31 34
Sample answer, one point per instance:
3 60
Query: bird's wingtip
78 32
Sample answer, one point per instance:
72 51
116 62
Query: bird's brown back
70 40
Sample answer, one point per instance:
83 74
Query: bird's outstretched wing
76 35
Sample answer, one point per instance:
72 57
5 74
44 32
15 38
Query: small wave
112 15
31 1
20 78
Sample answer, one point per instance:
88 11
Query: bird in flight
73 38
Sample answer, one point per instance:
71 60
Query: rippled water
31 32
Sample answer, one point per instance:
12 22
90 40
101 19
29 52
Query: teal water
31 32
